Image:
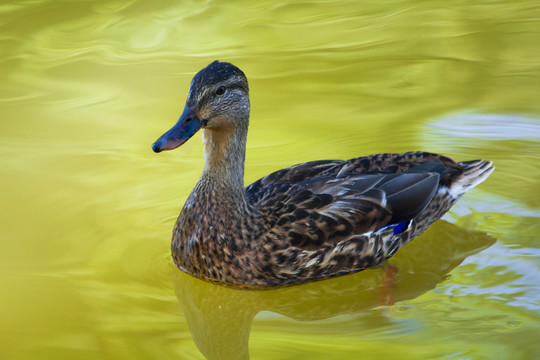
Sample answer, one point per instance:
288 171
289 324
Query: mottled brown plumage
309 221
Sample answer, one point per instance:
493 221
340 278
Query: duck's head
218 101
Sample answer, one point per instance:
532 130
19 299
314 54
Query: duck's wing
388 163
281 180
323 209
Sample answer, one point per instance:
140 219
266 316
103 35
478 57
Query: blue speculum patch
400 227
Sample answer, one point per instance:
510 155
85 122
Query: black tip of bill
156 147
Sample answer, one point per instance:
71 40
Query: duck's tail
474 172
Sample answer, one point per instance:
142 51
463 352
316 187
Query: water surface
88 209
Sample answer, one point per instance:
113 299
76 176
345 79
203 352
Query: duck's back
314 210
380 163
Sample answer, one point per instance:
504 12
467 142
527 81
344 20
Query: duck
310 221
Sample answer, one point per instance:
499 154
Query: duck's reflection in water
220 318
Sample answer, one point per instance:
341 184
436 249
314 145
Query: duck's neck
224 156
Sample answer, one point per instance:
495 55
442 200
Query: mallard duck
309 221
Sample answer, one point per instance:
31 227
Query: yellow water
88 208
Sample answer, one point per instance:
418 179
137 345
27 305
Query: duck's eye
220 90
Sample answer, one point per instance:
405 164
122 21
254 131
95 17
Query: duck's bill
188 124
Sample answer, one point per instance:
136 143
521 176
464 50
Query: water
88 209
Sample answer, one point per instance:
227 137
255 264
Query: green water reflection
87 208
